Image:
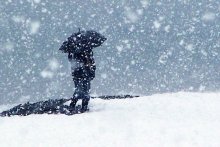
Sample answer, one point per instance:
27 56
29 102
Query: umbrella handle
69 56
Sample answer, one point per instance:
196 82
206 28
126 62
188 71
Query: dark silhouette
79 48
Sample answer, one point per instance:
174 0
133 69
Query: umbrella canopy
82 40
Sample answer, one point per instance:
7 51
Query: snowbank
163 120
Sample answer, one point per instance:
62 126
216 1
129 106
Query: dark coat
82 65
82 61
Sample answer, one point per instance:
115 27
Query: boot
85 103
73 105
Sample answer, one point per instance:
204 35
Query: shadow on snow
52 106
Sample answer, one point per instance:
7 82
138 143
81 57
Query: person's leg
76 94
86 97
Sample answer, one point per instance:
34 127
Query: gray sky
152 46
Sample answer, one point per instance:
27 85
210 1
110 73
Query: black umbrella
82 40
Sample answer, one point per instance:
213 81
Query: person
79 48
83 72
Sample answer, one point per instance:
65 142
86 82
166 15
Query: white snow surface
163 120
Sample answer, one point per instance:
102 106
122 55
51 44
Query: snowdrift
178 119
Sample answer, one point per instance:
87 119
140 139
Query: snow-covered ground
162 120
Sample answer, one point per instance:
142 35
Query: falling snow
208 16
152 46
34 27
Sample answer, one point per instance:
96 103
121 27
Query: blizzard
180 119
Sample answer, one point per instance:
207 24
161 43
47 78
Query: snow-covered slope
170 120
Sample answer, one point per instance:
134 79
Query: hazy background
152 47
